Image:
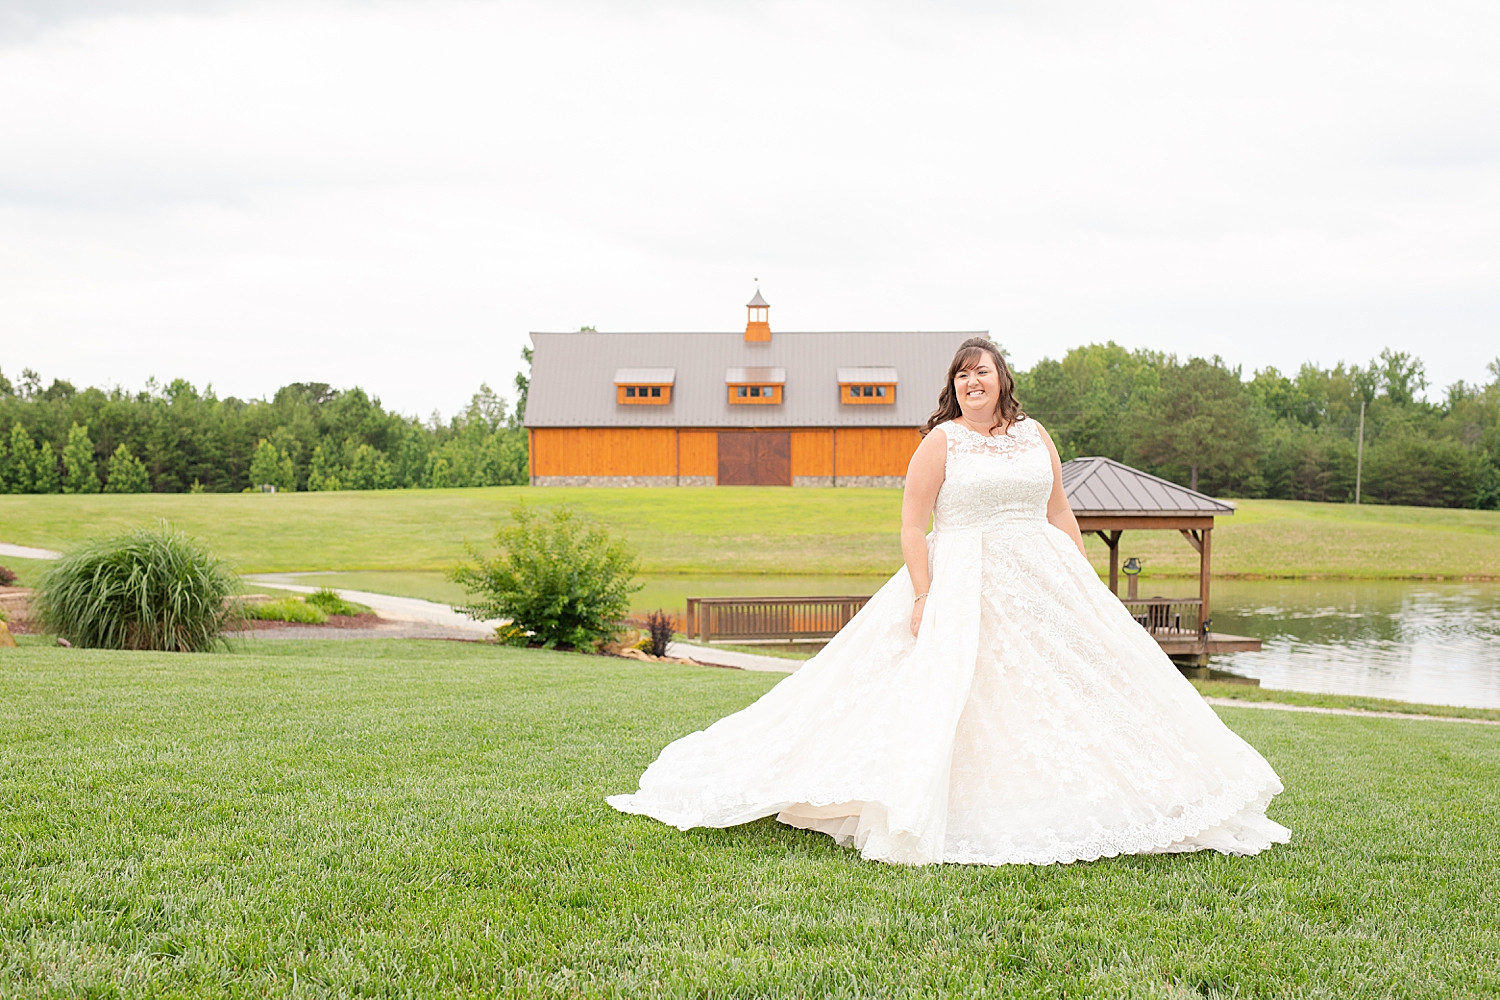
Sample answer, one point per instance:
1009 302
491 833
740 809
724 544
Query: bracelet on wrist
914 600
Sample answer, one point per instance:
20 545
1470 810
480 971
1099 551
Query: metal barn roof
847 375
1104 486
735 376
571 384
650 376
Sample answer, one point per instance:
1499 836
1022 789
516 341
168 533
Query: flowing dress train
1032 721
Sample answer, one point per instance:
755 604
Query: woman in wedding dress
993 703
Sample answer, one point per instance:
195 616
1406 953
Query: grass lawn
427 819
738 530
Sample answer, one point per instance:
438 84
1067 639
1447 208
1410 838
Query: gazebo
1108 499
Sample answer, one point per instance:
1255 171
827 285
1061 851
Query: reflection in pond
1413 641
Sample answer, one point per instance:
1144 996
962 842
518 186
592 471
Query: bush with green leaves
559 580
287 609
327 600
147 588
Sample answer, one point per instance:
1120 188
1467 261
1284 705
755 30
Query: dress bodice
993 483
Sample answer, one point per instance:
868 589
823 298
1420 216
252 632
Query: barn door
755 458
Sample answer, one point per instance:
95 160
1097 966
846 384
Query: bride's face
977 386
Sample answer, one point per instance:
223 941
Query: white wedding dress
1032 721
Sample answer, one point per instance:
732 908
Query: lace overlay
1031 722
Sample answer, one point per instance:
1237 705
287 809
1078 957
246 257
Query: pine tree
20 471
78 458
325 472
263 465
127 474
46 478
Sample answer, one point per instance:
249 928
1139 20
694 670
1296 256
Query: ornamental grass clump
558 579
148 588
328 601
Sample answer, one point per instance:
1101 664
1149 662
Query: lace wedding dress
1031 722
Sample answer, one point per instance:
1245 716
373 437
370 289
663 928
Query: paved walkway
732 658
396 609
1278 707
27 552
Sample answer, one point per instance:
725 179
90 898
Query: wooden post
1112 539
1205 570
1359 456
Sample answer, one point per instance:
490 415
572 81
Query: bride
993 703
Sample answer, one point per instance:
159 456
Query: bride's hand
916 613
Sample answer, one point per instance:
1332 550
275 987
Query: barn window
644 386
867 386
755 386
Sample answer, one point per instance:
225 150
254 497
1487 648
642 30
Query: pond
1426 642
1413 641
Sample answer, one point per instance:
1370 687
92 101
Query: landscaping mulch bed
334 621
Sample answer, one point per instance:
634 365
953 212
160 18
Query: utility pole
1359 454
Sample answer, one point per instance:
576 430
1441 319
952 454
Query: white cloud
394 194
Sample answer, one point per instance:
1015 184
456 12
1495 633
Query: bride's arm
1058 511
924 477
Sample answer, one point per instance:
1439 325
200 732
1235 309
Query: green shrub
148 588
329 602
287 609
559 580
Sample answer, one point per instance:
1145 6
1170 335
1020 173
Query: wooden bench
756 619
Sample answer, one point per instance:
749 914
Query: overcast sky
392 194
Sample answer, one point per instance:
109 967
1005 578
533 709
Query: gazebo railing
769 618
1166 615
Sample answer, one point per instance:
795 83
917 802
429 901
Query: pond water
1413 641
1426 642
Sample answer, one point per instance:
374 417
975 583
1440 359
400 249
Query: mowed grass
740 530
427 819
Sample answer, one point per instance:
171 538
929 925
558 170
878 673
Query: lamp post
1131 569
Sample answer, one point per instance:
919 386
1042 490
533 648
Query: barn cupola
758 327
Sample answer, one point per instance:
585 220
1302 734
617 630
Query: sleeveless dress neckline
1031 721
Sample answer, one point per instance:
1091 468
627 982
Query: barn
732 409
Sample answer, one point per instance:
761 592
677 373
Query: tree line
308 436
1296 436
1197 421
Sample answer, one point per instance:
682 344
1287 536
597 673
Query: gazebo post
1112 539
1205 565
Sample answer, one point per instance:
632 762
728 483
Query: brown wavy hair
1007 410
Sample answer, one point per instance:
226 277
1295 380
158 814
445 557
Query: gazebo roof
1102 486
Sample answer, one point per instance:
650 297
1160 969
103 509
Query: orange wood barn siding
604 451
876 451
812 453
699 451
658 451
